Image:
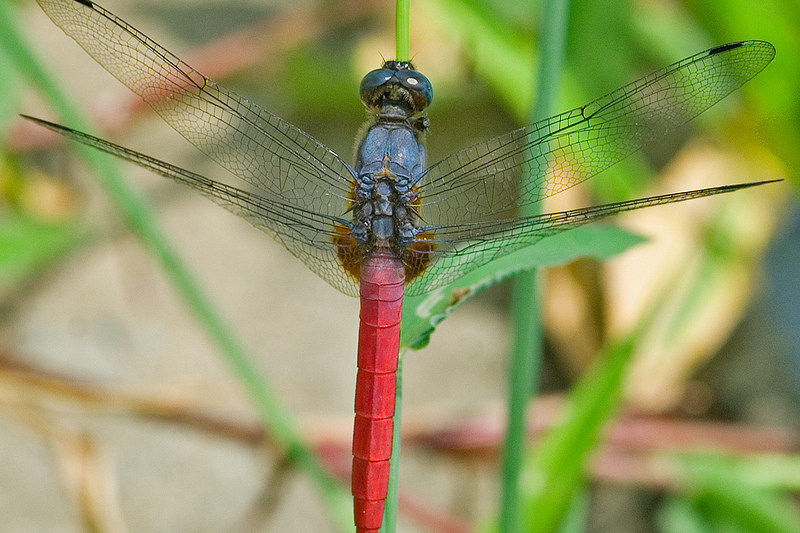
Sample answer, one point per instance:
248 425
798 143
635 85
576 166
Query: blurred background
116 412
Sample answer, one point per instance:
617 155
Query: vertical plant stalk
402 30
276 419
402 53
527 341
390 511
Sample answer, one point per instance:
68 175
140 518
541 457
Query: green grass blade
523 372
527 341
553 42
555 471
275 417
727 495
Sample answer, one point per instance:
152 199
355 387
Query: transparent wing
493 239
279 160
482 182
471 198
306 234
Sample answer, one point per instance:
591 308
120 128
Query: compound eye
418 85
394 79
373 81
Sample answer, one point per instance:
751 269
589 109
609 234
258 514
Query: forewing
279 160
471 199
482 182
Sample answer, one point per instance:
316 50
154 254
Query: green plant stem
390 511
402 30
275 417
523 369
527 340
402 53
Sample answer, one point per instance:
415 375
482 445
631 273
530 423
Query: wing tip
721 48
740 44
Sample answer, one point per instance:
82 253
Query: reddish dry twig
630 453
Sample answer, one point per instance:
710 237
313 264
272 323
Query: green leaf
554 471
734 498
553 474
421 314
678 515
27 245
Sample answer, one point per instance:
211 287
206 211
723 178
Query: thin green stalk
523 369
402 30
390 511
402 53
275 417
527 341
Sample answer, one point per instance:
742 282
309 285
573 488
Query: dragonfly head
396 81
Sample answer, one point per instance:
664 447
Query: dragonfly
389 225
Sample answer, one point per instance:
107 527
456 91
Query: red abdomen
382 281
